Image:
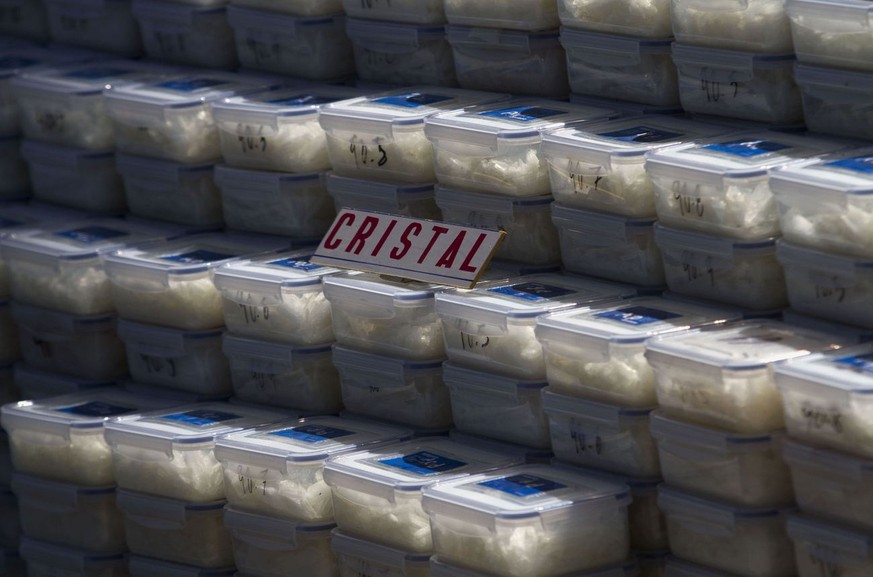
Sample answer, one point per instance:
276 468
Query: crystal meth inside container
722 376
751 25
106 25
172 452
834 100
529 521
414 11
365 559
826 548
278 470
48 560
646 18
413 200
377 493
516 15
836 35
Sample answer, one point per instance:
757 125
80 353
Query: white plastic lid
440 569
372 191
90 78
379 289
828 463
143 167
832 177
343 544
257 349
600 228
147 567
67 560
848 370
38 384
491 383
592 410
823 263
830 541
62 157
296 101
160 340
606 44
272 274
279 531
263 181
696 243
446 197
665 429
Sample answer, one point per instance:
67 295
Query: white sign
424 250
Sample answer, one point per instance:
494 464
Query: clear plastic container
621 67
172 119
177 531
359 558
401 54
497 407
826 549
412 11
852 334
170 283
491 327
182 360
741 540
24 19
40 384
10 527
599 353
722 376
382 137
750 25
507 14
15 183
645 19
315 48
743 273
171 453
602 166
49 560
514 61
601 436
837 35
277 129
387 387
377 493
71 515
496 149
294 205
742 469
412 200
148 567
608 246
80 346
834 101
832 485
106 25
269 547
737 84
60 267
295 7
185 33
282 375
61 438
529 521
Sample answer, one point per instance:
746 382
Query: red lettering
331 242
385 234
396 254
438 231
448 258
466 264
366 229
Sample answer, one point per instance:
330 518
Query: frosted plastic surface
838 39
79 121
188 136
296 317
310 556
298 493
80 290
206 39
644 77
832 110
189 302
428 61
645 18
109 26
94 187
405 157
751 25
354 566
84 458
412 11
192 474
201 368
191 199
830 226
401 523
827 294
511 14
818 556
291 145
634 260
514 419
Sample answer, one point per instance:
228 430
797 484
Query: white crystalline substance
192 475
413 11
517 171
83 459
402 524
751 25
517 353
202 542
625 189
295 7
291 146
302 211
187 303
203 369
573 545
817 558
206 40
838 298
847 45
299 494
38 568
645 18
635 260
413 333
14 177
194 200
310 385
297 317
9 346
89 355
624 377
844 229
78 290
830 495
111 27
311 557
648 526
97 188
644 78
512 14
313 52
406 157
540 73
428 62
520 421
188 136
835 111
93 523
80 123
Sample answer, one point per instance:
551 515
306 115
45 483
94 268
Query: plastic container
48 560
171 453
315 48
295 205
741 540
172 119
852 334
650 19
170 283
833 35
750 25
412 11
514 61
497 407
80 346
382 137
40 384
722 376
82 517
833 100
277 129
823 548
743 469
390 388
496 149
738 84
621 67
185 33
521 15
15 183
412 200
10 527
359 558
61 438
176 531
377 493
401 54
24 19
106 25
529 521
147 567
491 327
832 485
608 246
60 267
601 436
282 375
602 166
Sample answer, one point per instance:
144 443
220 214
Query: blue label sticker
301 100
424 463
641 134
862 164
747 148
862 363
17 62
96 409
312 433
91 234
201 418
191 84
532 291
523 485
637 316
97 73
296 263
412 100
199 256
523 113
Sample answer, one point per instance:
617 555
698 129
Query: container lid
369 363
50 322
829 541
598 42
440 569
733 59
593 410
599 228
276 529
296 101
147 567
91 78
131 503
637 485
852 333
665 429
241 18
343 544
162 340
849 369
494 39
492 383
826 264
372 33
23 58
236 346
519 121
78 561
144 167
256 181
28 487
38 383
61 157
828 463
679 568
701 243
272 273
847 173
833 79
411 465
341 187
451 198
744 345
674 502
388 291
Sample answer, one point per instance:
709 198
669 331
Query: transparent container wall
14 173
842 225
10 351
206 40
427 62
10 527
200 539
201 368
840 496
74 288
511 350
188 135
825 293
644 77
297 492
80 458
410 11
635 259
305 8
517 419
193 475
297 317
184 301
93 187
403 332
405 156
268 558
191 199
25 19
88 354
646 18
108 26
77 121
750 25
289 145
838 111
832 37
819 555
515 15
